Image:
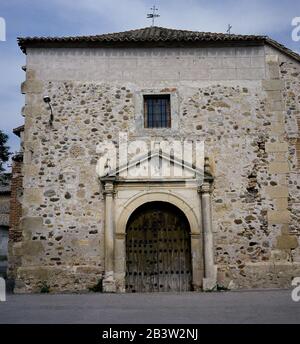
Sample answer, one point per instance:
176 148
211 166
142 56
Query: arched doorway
158 249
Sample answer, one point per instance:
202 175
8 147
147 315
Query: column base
109 283
210 283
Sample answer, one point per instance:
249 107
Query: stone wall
233 98
15 232
290 72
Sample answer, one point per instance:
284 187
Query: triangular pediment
156 166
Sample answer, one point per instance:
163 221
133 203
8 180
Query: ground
261 306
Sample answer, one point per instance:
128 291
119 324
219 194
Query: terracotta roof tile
18 130
149 35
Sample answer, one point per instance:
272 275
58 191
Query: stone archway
158 249
122 197
195 235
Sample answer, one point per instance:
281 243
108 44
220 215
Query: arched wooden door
158 249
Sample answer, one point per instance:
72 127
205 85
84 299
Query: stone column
210 269
109 285
197 261
120 262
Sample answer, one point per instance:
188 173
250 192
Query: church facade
158 160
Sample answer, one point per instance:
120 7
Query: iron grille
157 111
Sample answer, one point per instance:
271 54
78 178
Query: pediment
156 166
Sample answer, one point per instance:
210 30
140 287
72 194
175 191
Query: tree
4 150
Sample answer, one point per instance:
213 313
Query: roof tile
149 35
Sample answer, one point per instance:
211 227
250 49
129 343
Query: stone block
276 105
274 95
281 203
38 272
278 255
273 85
30 74
276 147
31 86
272 59
279 156
33 196
277 191
17 249
30 170
273 72
30 225
279 167
279 116
31 248
32 110
277 128
278 216
286 241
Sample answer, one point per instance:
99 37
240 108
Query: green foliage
5 179
4 150
218 287
45 289
221 287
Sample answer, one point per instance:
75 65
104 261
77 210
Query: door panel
158 256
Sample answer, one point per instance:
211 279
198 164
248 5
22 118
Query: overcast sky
84 17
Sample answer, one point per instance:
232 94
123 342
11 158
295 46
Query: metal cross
229 28
153 15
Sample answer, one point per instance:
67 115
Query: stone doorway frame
204 271
195 233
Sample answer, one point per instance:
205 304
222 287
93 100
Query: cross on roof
229 29
153 15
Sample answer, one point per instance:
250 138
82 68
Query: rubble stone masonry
243 101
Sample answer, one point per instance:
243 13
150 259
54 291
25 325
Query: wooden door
158 252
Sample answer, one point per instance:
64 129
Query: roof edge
283 48
150 35
17 131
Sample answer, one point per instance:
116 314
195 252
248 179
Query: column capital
108 188
205 188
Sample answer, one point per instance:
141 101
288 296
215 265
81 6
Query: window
157 111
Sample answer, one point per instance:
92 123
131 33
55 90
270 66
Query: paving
259 306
